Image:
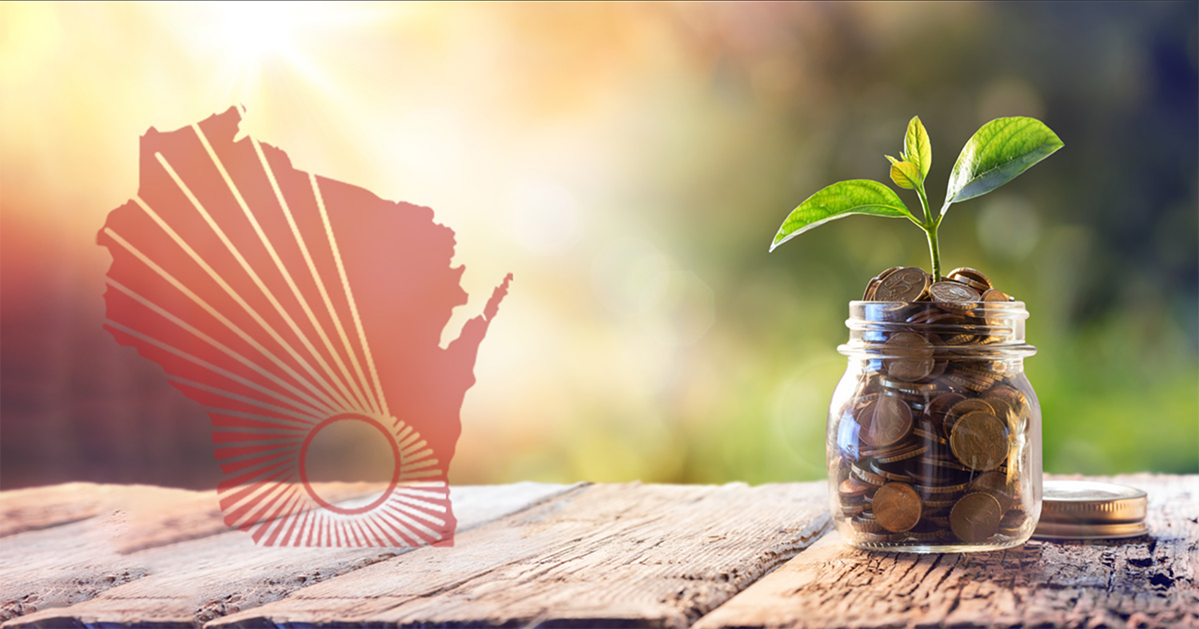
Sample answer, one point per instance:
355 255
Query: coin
912 356
979 441
968 382
852 488
906 284
932 476
897 507
975 517
851 509
966 406
929 316
875 281
866 475
1001 407
914 450
959 339
929 433
871 288
916 391
996 295
952 293
995 484
1015 400
1012 522
898 477
939 407
942 489
865 524
1004 411
940 503
970 277
885 421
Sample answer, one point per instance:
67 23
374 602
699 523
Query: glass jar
934 432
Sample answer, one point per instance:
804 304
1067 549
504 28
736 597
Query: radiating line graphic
285 303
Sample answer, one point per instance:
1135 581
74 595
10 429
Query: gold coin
850 510
941 521
885 421
938 408
852 488
912 356
864 524
959 339
929 435
904 454
917 392
1003 410
897 507
940 503
968 382
898 477
965 407
1012 522
866 475
995 484
996 295
975 517
970 277
942 489
1015 399
968 406
979 441
870 290
906 284
952 292
875 281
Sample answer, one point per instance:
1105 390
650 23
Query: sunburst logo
287 304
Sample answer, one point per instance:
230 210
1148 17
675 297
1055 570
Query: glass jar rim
1012 306
973 330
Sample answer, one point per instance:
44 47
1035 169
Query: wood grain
606 555
80 541
1142 582
192 580
43 507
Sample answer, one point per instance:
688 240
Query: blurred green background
630 164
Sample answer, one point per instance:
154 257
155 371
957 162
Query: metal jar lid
1078 509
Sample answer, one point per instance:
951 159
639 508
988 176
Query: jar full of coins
934 432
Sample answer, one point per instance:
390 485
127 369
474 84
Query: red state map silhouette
285 302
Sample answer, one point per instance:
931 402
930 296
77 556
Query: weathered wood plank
1142 582
186 583
66 554
42 507
608 555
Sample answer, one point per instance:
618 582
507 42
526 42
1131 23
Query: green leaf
917 148
858 196
998 152
906 175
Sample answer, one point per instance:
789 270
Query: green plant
996 154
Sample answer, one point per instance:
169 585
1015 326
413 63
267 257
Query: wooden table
536 555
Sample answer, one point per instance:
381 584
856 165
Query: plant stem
934 251
930 230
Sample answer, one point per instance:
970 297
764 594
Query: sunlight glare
251 31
